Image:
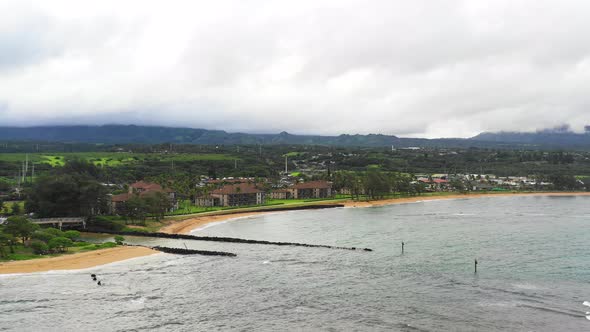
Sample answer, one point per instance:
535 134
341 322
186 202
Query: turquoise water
533 274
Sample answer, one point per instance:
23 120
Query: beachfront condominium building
312 189
141 189
239 194
280 194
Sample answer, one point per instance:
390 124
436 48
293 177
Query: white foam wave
526 286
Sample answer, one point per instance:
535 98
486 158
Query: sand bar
75 261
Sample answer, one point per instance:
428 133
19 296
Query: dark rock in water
230 239
180 251
93 275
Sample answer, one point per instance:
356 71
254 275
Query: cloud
418 68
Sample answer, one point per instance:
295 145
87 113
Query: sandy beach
391 201
75 261
187 225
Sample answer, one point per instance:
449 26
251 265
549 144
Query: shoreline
105 256
190 224
414 199
76 261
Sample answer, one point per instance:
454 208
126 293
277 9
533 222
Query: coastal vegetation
21 239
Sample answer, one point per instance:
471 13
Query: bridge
59 222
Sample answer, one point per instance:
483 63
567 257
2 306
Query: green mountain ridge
115 134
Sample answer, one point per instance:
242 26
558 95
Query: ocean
533 274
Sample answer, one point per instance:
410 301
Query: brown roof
313 185
121 197
146 185
220 181
240 188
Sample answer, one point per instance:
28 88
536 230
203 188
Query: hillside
125 134
542 138
110 134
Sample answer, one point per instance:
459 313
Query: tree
5 240
69 192
15 207
136 209
20 226
41 235
376 185
157 203
60 243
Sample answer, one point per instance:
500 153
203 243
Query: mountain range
119 134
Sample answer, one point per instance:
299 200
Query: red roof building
239 194
141 189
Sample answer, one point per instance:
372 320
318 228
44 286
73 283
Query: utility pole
26 165
286 170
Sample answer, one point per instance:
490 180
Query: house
280 194
435 184
239 194
482 186
312 189
141 188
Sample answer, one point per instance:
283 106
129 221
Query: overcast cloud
408 68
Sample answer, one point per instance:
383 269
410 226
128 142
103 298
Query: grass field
111 159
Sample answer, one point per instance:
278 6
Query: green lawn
112 159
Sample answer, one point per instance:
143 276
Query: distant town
144 182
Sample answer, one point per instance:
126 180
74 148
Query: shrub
105 245
54 231
39 248
119 239
105 224
60 243
72 235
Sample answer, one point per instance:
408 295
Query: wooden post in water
403 247
475 265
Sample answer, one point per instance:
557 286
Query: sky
417 68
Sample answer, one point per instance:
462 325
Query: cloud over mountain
324 67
